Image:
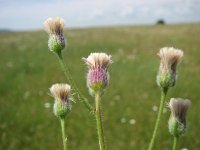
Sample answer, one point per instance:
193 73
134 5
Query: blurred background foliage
130 103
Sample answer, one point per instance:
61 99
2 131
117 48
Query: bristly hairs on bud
98 76
170 58
55 29
63 98
177 122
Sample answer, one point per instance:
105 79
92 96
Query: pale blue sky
26 14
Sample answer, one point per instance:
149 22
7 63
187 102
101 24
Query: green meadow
130 103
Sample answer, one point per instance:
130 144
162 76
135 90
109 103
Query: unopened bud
170 58
55 27
61 94
177 122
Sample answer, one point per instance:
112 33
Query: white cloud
96 13
78 13
126 11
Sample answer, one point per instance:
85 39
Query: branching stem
71 81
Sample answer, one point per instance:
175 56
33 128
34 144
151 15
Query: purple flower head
98 77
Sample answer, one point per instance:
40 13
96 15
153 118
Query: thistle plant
177 121
97 81
166 78
62 105
56 43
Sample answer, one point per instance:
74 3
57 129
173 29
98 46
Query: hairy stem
162 102
64 138
70 80
99 122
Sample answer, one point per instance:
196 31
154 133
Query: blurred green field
28 69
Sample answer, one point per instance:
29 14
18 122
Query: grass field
28 69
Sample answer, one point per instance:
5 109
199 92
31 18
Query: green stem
175 142
64 138
162 102
76 90
99 122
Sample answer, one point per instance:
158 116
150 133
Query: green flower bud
61 109
55 29
56 43
170 58
176 128
177 121
166 80
61 94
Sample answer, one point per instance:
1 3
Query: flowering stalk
97 81
62 106
177 121
166 78
56 43
62 122
99 122
162 102
175 143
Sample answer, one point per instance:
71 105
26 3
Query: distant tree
160 21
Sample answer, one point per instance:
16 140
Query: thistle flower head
55 27
62 96
170 58
97 77
98 60
60 91
177 121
